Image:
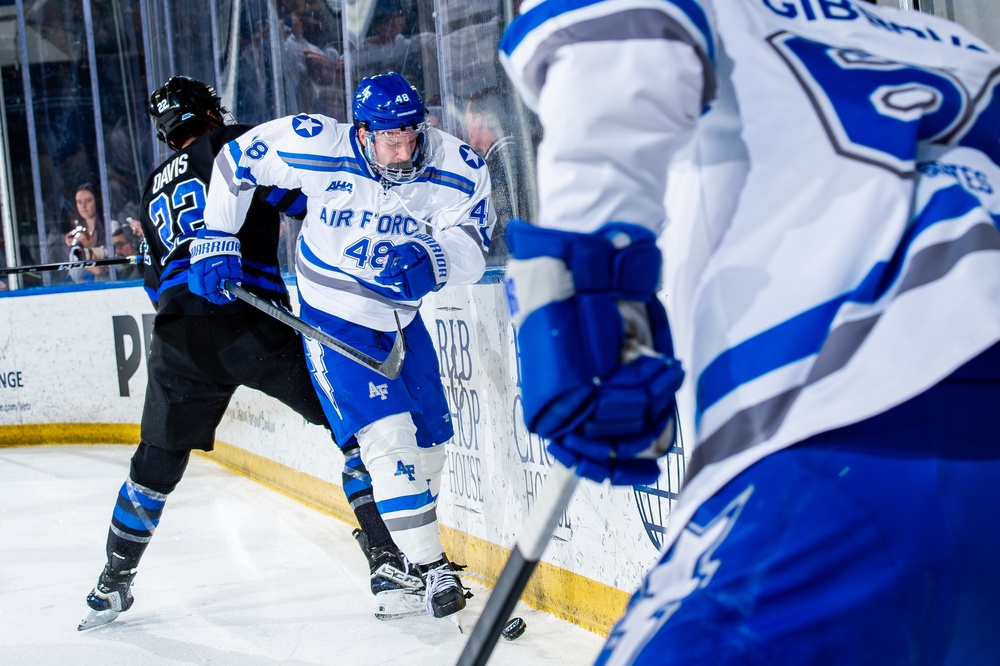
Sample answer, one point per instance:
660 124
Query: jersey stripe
447 179
803 335
309 162
806 334
526 23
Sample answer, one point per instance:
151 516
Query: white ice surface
236 574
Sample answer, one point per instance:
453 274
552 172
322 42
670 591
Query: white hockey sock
432 460
400 482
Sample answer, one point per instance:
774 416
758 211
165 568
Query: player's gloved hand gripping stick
596 355
416 268
599 378
215 257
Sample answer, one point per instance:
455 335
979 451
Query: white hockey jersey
833 170
354 219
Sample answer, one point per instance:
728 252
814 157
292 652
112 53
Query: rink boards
72 370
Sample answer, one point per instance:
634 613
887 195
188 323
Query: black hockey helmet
183 101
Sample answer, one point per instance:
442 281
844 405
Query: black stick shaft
531 542
69 265
390 368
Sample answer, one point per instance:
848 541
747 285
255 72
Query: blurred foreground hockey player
396 210
201 352
834 279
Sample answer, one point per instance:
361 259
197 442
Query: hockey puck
513 629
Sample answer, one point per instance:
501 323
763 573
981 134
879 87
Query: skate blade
386 617
96 619
397 604
457 619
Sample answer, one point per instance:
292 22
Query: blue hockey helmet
386 102
390 109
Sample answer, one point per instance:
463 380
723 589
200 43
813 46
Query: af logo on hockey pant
380 391
402 469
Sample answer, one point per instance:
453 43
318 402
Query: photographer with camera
86 235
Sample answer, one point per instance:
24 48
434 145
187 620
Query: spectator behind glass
486 134
393 43
136 227
86 235
311 72
126 244
86 227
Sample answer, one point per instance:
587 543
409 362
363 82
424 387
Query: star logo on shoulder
306 126
471 157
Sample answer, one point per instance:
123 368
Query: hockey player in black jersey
201 352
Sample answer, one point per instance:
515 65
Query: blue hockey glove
416 268
594 347
215 256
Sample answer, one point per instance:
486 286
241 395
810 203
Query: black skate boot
445 594
389 568
396 584
112 596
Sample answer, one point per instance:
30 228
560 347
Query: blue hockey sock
136 515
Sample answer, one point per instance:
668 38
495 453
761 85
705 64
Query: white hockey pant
406 480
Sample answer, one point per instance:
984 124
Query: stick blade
393 363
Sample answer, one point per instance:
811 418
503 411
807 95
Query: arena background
75 78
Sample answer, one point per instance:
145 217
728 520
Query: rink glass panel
76 75
980 16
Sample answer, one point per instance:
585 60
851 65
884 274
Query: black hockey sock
361 497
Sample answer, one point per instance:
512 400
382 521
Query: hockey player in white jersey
831 174
396 209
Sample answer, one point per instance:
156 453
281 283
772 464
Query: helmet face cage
398 172
387 105
181 100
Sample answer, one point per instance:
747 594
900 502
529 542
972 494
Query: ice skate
396 584
389 568
396 604
445 594
111 597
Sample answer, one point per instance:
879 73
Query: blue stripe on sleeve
447 179
803 335
178 279
524 24
275 195
240 172
234 151
310 162
268 269
298 206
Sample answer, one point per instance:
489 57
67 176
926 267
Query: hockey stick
69 265
389 368
531 543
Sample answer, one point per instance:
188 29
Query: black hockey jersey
173 204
